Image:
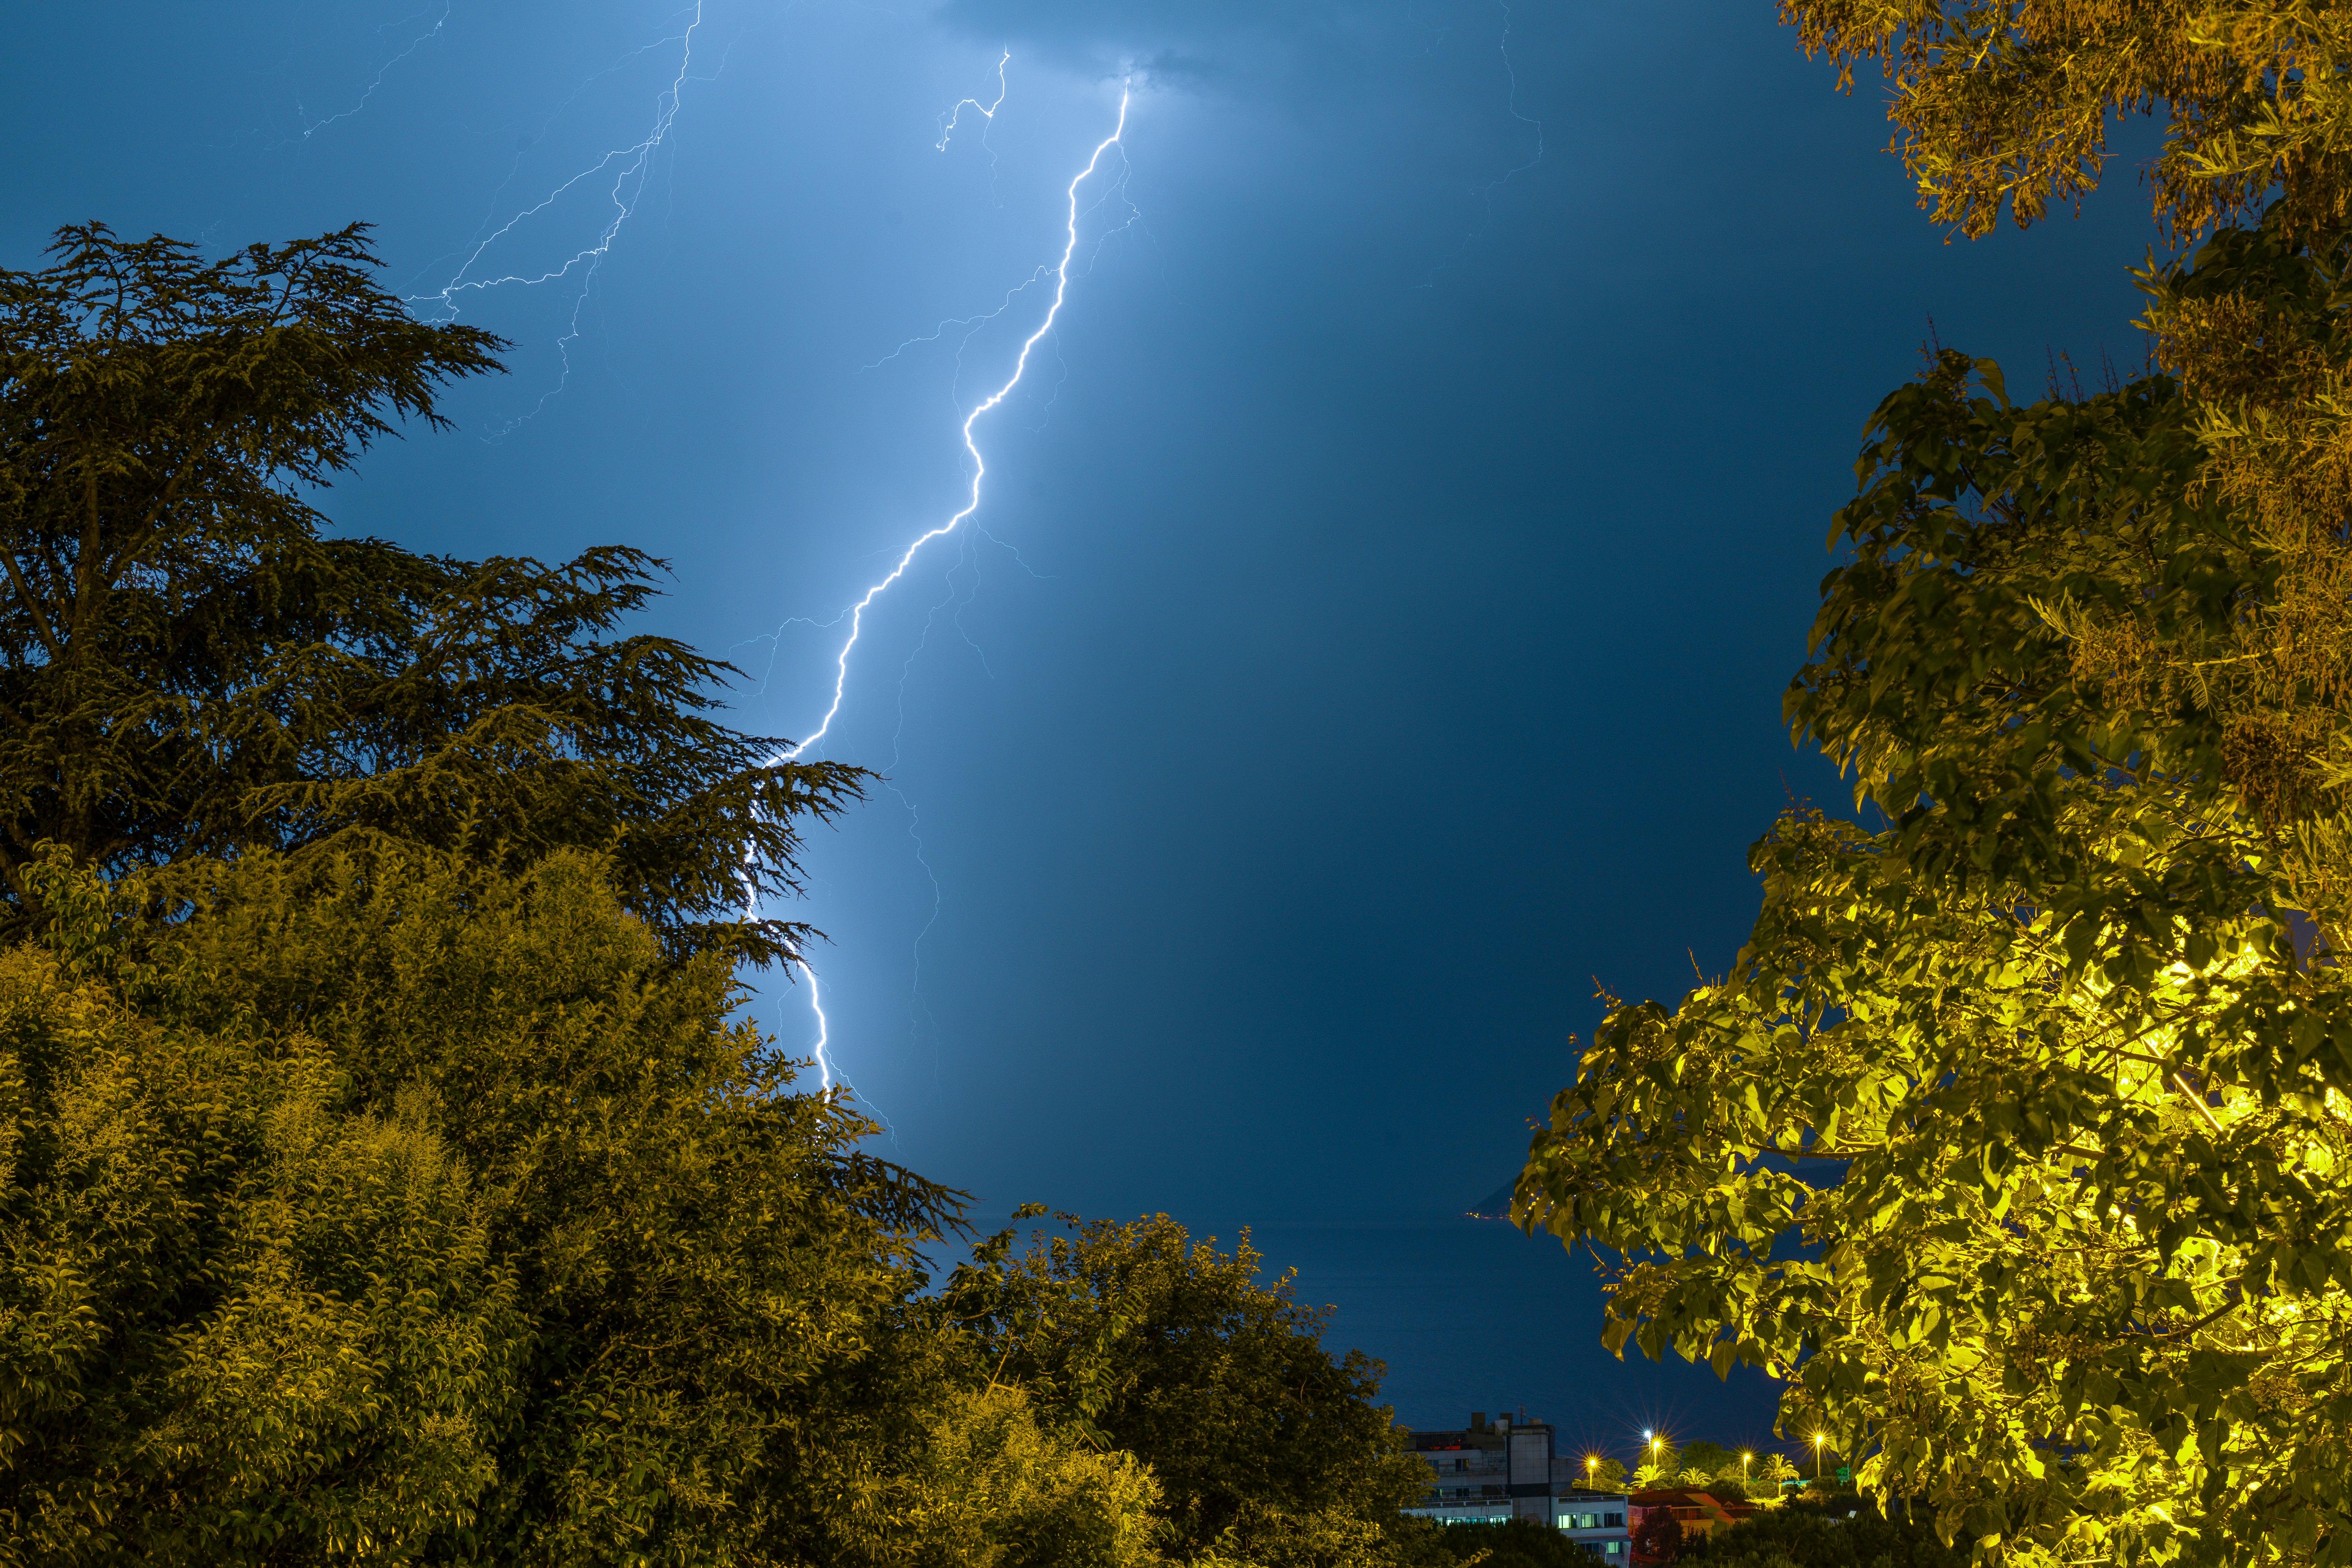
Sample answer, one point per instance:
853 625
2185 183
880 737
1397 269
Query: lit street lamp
1818 1440
1743 1467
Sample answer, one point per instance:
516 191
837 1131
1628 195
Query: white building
1489 1472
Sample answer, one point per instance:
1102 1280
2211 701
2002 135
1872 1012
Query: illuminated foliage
237 1318
2035 1067
2009 104
2005 103
393 1206
2073 1118
1513 1543
390 1175
1266 1450
995 1490
2016 1138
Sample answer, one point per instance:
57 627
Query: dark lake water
1471 1315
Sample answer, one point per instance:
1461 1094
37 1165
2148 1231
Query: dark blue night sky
1374 631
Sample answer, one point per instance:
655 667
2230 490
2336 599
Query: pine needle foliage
193 667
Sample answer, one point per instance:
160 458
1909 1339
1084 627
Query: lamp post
1591 1462
1818 1440
1743 1467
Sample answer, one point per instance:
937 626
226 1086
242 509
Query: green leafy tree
1806 1535
1266 1450
1513 1543
1708 1458
1661 1463
240 1320
1772 1469
993 1488
192 667
391 1174
2072 1114
2078 1110
392 1202
1608 1475
2008 107
1660 1471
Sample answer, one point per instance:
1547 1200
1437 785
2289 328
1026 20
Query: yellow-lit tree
2033 1062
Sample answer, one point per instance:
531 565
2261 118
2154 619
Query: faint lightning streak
1511 106
974 322
628 188
430 34
1511 100
970 505
915 816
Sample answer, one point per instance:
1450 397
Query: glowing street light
1818 1441
1743 1467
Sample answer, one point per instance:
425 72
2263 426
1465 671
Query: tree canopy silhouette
191 666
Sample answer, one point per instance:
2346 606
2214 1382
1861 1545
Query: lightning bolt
987 111
979 463
1486 192
631 168
430 34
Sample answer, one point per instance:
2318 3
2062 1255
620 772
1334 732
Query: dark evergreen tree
191 667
